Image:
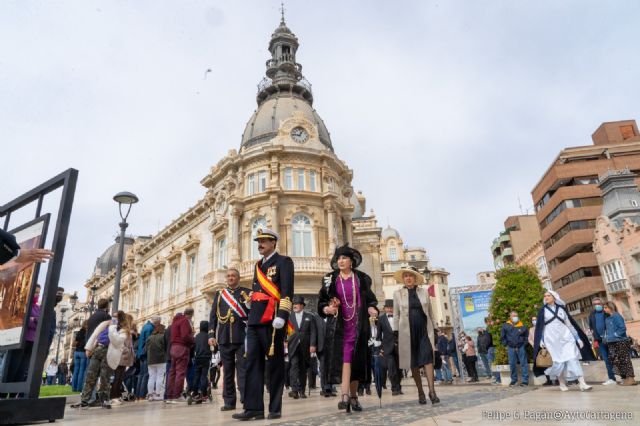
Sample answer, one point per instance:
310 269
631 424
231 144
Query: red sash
271 295
290 329
233 303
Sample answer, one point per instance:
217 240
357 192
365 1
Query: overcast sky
448 112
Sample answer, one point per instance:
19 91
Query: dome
109 259
389 232
263 124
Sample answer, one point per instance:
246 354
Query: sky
448 112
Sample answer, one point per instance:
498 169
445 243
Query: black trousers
200 380
299 364
313 371
470 363
258 344
233 364
393 373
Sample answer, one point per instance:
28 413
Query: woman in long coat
413 319
347 302
566 342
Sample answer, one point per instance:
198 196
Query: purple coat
30 334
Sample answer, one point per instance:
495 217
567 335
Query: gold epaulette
285 304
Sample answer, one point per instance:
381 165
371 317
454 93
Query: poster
17 283
474 308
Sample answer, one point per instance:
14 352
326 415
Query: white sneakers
609 382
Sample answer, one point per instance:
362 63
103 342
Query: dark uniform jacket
228 331
280 270
8 247
303 336
386 335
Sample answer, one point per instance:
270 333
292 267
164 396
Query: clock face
299 134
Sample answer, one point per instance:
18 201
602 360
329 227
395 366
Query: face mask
514 319
599 308
534 322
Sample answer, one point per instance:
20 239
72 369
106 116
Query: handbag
543 359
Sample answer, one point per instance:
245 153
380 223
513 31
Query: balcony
634 281
303 266
584 287
508 251
578 260
618 286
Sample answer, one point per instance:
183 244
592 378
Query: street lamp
61 328
127 199
90 307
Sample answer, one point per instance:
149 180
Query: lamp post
90 307
127 199
61 328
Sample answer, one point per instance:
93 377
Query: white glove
377 343
580 344
278 323
542 344
248 303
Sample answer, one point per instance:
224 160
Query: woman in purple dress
347 302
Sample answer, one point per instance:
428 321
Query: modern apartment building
568 200
520 233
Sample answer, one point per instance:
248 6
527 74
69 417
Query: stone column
275 217
233 249
331 221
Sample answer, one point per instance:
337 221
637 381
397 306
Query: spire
283 73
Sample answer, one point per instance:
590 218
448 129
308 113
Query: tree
519 289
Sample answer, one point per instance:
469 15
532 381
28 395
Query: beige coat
401 322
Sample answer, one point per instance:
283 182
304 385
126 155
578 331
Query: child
202 357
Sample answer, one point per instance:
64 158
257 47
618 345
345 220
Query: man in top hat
227 325
390 346
270 305
302 342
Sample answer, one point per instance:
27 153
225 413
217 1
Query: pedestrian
181 343
491 355
52 371
513 336
597 319
227 332
156 348
564 340
167 339
389 339
270 305
618 345
302 342
121 343
443 349
413 318
347 301
141 356
471 359
453 353
202 358
79 359
61 375
485 341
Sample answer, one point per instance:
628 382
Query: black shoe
524 385
302 395
333 393
368 391
512 384
273 416
80 404
249 415
434 398
294 395
106 404
548 383
355 404
227 408
395 393
422 399
360 392
345 405
95 403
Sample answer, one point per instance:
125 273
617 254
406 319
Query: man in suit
302 343
270 305
10 250
227 330
390 347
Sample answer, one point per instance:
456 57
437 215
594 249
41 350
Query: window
541 264
606 239
174 279
444 293
300 179
312 181
251 184
288 178
192 271
222 253
262 181
613 271
446 306
159 288
302 236
145 293
260 222
413 257
393 253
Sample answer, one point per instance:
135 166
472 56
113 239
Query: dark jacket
484 342
95 320
320 330
81 339
303 336
167 342
442 345
181 332
451 347
282 269
333 348
615 329
228 330
8 247
203 350
156 347
146 331
386 335
592 325
514 336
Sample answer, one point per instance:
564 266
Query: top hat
299 300
388 303
345 250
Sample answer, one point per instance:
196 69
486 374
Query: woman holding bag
618 344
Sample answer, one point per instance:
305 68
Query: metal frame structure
30 408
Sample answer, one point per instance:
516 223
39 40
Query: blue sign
474 308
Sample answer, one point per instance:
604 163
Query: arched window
302 235
392 252
222 253
260 222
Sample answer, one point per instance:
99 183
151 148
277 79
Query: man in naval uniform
270 305
227 330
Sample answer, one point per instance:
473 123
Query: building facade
520 233
567 201
617 244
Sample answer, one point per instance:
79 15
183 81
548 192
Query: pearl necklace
355 296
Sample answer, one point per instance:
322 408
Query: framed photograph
17 285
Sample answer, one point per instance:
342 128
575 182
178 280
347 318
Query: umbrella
377 371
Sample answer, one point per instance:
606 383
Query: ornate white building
285 176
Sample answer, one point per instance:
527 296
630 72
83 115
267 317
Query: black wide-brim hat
345 250
298 300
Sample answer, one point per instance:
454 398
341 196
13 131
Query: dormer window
286 50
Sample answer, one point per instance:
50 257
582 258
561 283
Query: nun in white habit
566 342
